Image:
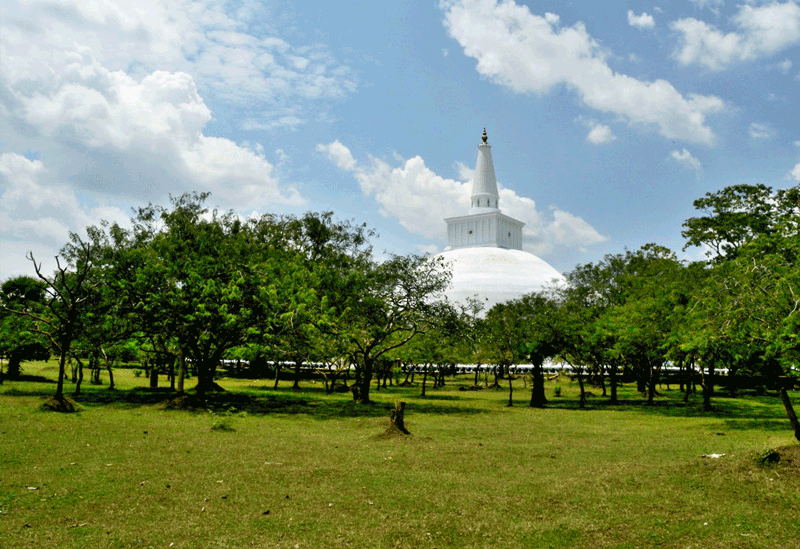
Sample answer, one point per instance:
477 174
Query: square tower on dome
485 225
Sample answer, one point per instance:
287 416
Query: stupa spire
484 187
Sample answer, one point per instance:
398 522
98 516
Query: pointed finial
485 137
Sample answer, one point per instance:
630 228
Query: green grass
305 469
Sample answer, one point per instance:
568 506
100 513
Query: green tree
19 339
736 215
383 306
202 279
68 295
531 331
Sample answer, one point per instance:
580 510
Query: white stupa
485 251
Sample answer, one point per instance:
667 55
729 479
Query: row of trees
194 284
198 284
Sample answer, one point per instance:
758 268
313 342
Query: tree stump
396 419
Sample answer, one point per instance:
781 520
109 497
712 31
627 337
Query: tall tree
386 304
68 295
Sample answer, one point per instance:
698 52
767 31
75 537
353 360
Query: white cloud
686 159
760 131
230 54
712 5
529 53
152 128
760 31
420 200
785 66
643 21
465 173
339 154
795 173
37 214
600 134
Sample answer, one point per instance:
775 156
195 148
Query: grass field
301 469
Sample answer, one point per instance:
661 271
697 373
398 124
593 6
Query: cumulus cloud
600 134
795 173
528 53
37 214
106 100
420 200
143 129
231 54
686 159
760 131
643 21
761 31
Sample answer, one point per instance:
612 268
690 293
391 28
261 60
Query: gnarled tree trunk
787 404
397 419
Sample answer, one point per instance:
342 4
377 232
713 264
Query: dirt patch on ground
183 402
785 459
64 405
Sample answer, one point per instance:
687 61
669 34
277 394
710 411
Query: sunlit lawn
305 469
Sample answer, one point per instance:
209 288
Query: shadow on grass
738 413
313 403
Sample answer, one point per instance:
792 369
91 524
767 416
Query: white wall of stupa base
484 229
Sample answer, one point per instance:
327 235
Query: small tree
19 338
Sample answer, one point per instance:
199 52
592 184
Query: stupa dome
496 275
485 255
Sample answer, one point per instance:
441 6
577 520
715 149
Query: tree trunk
641 383
363 385
424 379
62 371
154 376
13 371
689 373
172 372
181 370
110 376
277 373
206 371
708 388
477 371
80 376
583 392
397 418
651 386
510 389
787 404
612 377
297 365
497 371
538 398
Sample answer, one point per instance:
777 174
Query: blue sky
607 119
